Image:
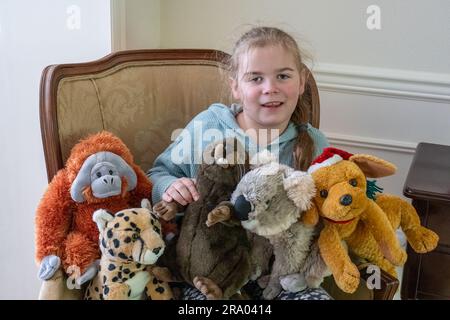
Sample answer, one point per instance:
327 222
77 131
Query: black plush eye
135 236
99 174
353 182
323 193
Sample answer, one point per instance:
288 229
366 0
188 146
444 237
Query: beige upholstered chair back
141 96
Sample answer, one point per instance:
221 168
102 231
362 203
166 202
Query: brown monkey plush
100 173
214 259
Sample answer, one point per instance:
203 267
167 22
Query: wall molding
118 25
371 143
402 84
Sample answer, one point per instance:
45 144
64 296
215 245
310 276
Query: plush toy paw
389 268
166 210
219 214
137 284
293 282
397 257
314 281
271 291
421 239
263 281
208 287
49 266
162 273
89 274
256 272
348 279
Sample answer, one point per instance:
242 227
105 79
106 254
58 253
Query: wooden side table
427 276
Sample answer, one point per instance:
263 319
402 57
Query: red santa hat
328 157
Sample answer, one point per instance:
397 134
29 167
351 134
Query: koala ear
101 218
300 188
373 167
262 158
145 203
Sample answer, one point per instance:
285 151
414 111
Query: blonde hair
259 37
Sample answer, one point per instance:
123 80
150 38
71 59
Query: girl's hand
182 190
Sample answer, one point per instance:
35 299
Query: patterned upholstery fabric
141 102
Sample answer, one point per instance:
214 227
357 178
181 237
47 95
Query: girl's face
268 86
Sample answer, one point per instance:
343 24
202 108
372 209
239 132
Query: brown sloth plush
100 173
214 259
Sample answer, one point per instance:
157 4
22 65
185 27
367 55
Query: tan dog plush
350 212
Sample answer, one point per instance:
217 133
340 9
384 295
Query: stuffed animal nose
346 200
241 208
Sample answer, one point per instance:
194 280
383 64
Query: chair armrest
55 288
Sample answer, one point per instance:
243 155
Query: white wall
136 24
34 34
414 34
382 91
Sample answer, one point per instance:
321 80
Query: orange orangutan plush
100 173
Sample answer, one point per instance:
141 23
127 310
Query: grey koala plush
270 200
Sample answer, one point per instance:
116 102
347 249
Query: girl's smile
272 104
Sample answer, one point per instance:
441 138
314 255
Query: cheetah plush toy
130 243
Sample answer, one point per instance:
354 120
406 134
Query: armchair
142 96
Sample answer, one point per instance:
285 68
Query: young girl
268 78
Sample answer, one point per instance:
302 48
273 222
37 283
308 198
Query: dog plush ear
311 216
372 166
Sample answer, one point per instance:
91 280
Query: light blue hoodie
183 156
